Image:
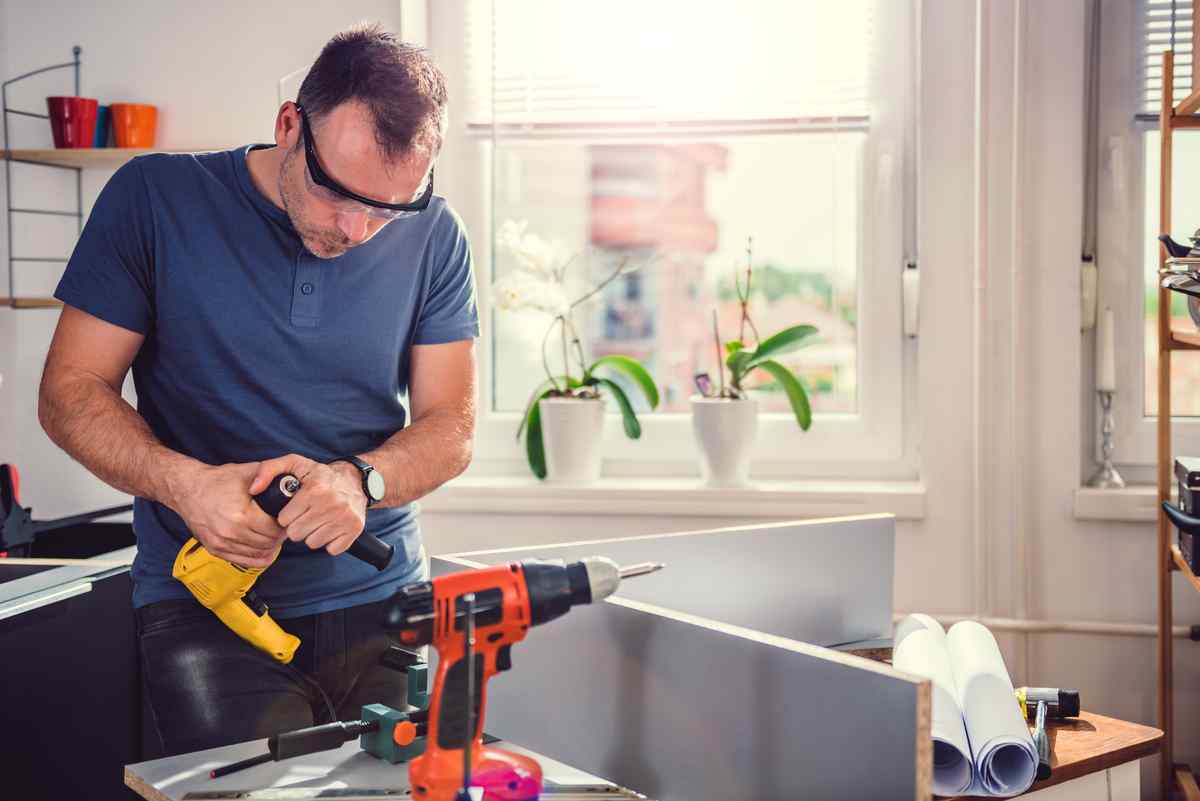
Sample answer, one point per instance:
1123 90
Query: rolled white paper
1005 757
922 651
917 622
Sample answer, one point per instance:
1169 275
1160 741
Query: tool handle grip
372 550
308 741
277 494
367 547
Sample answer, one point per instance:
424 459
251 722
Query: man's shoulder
445 222
166 169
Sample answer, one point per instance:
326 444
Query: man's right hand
215 504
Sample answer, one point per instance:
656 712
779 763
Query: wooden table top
1091 743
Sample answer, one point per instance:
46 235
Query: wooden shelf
1186 783
86 156
1182 565
1185 340
31 303
1190 105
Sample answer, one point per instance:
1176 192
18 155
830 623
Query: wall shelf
30 302
1185 340
1182 566
98 157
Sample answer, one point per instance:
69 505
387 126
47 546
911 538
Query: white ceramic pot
725 429
571 433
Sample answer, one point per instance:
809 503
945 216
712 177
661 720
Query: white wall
1014 213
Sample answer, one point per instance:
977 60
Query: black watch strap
372 479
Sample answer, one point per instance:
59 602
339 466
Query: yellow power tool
225 588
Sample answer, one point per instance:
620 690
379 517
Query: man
276 304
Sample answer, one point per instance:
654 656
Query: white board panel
826 582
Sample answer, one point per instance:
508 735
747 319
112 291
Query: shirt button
306 288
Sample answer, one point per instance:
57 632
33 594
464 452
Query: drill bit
640 569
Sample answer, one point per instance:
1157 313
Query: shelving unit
75 159
10 158
1171 118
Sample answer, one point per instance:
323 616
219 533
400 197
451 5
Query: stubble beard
320 243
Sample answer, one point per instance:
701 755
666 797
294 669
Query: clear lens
345 205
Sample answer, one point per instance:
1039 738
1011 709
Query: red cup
72 120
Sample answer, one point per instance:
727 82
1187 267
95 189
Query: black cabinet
71 696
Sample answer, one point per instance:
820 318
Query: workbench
173 778
1094 758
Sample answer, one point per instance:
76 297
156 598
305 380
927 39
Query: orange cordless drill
482 613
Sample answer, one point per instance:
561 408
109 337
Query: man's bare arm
437 446
82 411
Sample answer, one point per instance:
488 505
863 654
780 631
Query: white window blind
552 63
1166 25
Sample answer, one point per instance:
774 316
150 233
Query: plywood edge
924 753
808 649
141 787
753 528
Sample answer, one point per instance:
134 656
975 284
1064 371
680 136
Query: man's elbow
463 456
47 391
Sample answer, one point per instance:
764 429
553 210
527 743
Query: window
1133 37
678 136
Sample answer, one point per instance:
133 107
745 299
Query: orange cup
133 124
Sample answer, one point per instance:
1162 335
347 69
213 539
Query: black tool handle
367 547
317 738
371 550
1182 520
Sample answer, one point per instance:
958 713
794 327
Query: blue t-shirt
255 348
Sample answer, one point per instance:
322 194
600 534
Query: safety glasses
321 185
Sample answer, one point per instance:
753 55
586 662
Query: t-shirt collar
260 201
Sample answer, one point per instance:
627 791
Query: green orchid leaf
536 396
634 370
794 389
633 429
786 341
535 448
733 346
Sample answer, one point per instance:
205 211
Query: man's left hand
329 511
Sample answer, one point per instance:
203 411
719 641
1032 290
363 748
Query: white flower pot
572 429
725 429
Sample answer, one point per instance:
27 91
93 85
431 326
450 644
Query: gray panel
825 582
682 711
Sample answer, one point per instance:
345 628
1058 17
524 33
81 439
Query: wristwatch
372 480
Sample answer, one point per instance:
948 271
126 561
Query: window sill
1133 504
678 497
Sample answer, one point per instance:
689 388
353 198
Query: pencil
233 767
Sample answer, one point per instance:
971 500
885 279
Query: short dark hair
398 82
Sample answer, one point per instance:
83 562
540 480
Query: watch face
375 485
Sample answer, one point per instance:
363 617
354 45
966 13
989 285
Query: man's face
345 144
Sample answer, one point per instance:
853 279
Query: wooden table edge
1148 745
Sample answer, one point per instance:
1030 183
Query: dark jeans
208 687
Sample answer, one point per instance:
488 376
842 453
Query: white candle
1106 354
